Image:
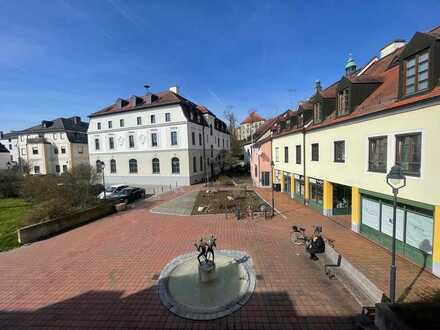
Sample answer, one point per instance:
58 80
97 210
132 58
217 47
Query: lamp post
101 165
396 180
272 164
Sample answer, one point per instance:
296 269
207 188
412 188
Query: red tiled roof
330 91
384 98
166 97
252 118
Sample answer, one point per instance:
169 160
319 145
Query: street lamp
101 165
272 164
396 180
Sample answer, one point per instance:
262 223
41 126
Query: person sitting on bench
315 246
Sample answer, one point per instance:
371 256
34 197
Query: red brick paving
103 275
373 260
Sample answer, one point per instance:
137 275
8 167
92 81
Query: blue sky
66 57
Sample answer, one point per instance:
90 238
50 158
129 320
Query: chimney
174 89
134 100
391 47
76 120
317 86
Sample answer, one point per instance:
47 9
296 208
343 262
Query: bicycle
298 235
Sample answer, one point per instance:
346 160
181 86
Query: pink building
261 150
261 157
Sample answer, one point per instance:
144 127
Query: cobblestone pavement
104 275
370 258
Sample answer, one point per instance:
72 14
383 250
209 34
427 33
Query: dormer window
416 73
317 113
343 102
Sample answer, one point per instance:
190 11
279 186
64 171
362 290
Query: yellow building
335 156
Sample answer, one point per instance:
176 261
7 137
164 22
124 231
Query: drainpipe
304 163
204 156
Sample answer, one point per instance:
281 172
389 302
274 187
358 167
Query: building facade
336 154
158 139
5 158
10 141
53 147
249 126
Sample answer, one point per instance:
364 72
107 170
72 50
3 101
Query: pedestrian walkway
368 257
182 205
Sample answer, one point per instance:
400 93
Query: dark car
131 194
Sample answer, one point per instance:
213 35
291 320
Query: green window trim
409 202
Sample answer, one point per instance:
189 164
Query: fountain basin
215 292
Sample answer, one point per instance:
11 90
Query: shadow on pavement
111 309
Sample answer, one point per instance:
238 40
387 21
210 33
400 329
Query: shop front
298 189
316 194
287 184
414 226
341 199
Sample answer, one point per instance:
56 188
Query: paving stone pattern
104 275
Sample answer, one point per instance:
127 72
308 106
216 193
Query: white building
5 158
9 140
54 146
157 139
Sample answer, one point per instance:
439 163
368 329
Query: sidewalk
371 259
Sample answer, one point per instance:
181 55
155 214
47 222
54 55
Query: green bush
10 183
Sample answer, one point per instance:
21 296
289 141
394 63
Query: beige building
335 155
54 146
249 126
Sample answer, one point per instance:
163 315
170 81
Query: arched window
133 166
112 166
156 165
175 165
194 164
98 166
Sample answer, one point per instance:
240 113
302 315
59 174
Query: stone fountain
205 285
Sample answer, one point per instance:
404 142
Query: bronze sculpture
206 247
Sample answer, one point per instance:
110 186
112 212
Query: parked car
112 191
130 194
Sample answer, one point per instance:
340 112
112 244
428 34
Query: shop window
377 154
64 168
265 179
408 153
316 191
57 168
299 186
